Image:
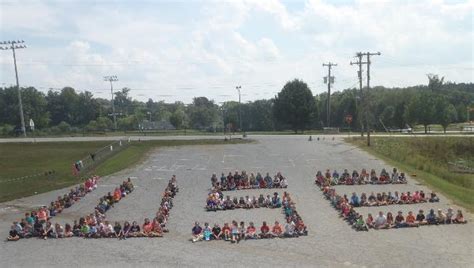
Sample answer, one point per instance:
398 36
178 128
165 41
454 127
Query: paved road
195 137
331 241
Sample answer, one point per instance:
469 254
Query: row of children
328 179
399 221
239 181
346 207
383 199
40 226
234 232
150 228
108 200
215 201
45 213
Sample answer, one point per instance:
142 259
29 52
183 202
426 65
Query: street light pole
112 78
240 107
16 45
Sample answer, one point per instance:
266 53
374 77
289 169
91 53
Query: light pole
112 78
240 108
16 45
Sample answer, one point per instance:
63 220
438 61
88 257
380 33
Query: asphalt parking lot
331 242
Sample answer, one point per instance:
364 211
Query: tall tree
123 102
295 105
203 113
434 82
445 113
422 110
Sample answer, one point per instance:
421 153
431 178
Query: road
330 243
195 137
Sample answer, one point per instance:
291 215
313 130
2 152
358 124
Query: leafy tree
446 113
231 115
434 82
123 102
295 105
87 107
422 110
203 113
63 106
64 127
388 114
92 126
104 123
177 119
259 115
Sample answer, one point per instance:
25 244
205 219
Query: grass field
25 159
428 158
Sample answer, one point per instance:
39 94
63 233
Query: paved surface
331 242
195 137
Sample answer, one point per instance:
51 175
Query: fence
94 159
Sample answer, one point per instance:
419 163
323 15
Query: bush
91 126
6 130
64 127
55 130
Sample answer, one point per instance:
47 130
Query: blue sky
175 50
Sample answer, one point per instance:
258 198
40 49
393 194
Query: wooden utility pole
329 80
366 95
359 75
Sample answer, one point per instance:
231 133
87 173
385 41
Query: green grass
23 159
428 158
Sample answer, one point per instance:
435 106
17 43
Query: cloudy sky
175 50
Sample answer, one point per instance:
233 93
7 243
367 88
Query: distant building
160 125
468 128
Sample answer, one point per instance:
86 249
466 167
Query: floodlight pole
14 45
240 108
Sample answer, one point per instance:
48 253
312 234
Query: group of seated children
355 178
38 224
244 181
67 200
346 207
235 232
45 213
383 199
95 225
108 200
216 201
399 221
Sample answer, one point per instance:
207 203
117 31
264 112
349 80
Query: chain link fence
90 162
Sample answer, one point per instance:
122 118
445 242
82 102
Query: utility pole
112 78
359 75
329 80
16 45
240 108
367 99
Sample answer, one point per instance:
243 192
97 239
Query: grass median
23 166
429 158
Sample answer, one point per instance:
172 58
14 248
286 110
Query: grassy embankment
25 159
428 158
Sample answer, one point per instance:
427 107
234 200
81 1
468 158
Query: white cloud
213 48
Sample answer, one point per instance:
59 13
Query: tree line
293 108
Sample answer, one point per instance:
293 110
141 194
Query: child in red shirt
265 231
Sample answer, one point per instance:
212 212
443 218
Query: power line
16 45
329 80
